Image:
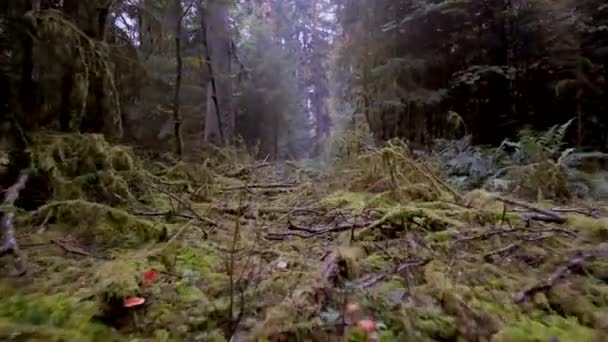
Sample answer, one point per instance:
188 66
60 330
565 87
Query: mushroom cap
367 325
150 276
133 301
352 308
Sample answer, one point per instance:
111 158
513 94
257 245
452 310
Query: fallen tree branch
405 266
546 215
161 213
70 249
247 170
262 186
553 230
515 245
542 218
315 232
487 235
9 242
179 232
592 212
575 262
271 210
335 270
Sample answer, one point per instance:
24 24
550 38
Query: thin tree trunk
213 122
27 89
177 121
217 42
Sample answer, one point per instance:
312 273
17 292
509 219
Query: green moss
435 275
434 220
189 294
195 173
545 329
437 237
117 279
48 318
433 323
99 223
204 264
388 288
483 200
357 201
84 166
582 299
353 257
121 159
587 225
376 261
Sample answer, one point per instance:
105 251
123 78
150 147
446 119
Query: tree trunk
65 111
177 121
219 128
27 90
147 30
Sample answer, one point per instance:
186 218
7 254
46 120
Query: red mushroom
367 325
150 276
352 308
131 302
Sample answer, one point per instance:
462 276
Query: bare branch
575 262
9 242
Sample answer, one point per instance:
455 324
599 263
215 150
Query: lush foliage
497 65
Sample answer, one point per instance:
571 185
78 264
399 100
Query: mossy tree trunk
103 107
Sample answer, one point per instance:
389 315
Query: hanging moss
85 166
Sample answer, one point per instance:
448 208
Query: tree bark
177 121
220 118
27 87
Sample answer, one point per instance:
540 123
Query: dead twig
293 226
262 186
247 170
545 215
511 247
553 230
70 249
271 210
487 235
573 263
404 266
9 242
315 232
181 230
591 212
168 213
188 207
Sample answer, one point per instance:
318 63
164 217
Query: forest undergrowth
128 245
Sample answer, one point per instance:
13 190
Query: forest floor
229 248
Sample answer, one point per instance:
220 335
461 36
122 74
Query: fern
536 146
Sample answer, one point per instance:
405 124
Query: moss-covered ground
245 251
